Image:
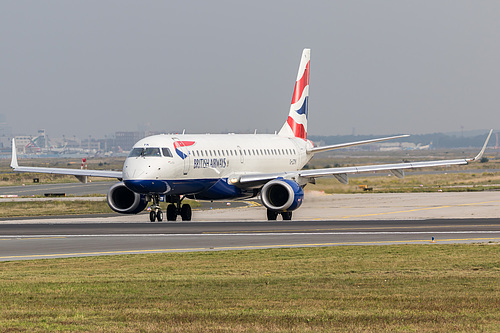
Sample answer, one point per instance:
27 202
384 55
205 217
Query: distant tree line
439 140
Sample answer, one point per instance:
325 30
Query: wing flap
250 180
381 167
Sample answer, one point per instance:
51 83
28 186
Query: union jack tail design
296 124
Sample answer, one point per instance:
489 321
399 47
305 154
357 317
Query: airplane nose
143 176
147 186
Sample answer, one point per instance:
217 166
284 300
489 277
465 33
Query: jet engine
282 195
122 200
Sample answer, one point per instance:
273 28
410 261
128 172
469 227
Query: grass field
406 288
53 207
59 207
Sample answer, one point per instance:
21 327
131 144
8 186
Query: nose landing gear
174 209
156 213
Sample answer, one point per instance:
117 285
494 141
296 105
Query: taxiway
324 220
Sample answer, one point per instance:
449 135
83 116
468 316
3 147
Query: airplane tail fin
296 124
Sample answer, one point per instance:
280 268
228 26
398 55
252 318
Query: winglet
478 156
13 162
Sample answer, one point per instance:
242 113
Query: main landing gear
272 215
174 209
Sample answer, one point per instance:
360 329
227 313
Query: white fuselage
191 159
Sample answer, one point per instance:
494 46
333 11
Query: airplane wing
61 171
304 176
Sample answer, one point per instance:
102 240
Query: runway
37 241
324 220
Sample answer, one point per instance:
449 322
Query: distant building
23 144
90 145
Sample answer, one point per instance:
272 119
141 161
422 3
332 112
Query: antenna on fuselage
183 131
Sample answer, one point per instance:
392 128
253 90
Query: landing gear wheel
152 216
186 212
171 212
271 215
286 216
159 216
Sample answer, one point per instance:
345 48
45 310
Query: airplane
172 167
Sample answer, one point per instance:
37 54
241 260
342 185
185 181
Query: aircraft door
184 153
240 151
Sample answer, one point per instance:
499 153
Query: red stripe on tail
298 129
301 84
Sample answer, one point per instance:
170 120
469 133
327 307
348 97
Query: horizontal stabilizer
351 144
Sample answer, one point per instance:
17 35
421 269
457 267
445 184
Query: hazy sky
378 67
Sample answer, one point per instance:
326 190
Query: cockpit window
152 152
137 152
166 152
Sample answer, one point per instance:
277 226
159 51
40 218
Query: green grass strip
409 288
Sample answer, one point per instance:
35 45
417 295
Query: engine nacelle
282 195
122 200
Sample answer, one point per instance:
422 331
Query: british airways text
201 163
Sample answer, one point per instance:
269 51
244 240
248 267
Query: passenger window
166 152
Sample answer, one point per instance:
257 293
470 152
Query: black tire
271 215
287 216
171 212
159 216
186 212
152 216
